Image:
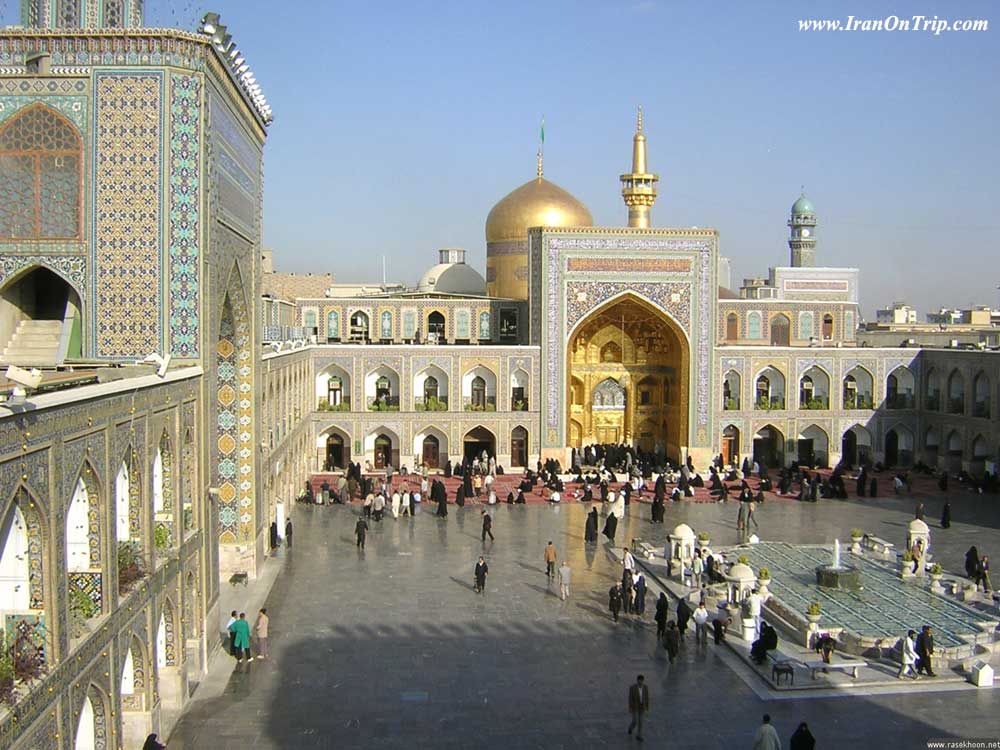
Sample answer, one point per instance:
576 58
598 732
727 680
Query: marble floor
392 648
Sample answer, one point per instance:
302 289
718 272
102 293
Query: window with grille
41 155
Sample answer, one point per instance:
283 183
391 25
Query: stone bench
878 545
843 666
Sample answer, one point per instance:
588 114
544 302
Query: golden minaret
639 187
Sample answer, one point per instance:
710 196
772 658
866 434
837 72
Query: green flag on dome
541 134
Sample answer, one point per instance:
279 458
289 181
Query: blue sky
399 124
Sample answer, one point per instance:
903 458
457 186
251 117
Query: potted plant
856 536
936 571
743 560
813 612
703 538
906 570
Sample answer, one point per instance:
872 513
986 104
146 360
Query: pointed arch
629 338
235 444
133 675
41 177
164 533
91 721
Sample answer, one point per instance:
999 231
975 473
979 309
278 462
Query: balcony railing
432 403
814 403
775 403
731 404
325 405
956 405
490 405
858 401
899 401
386 403
981 409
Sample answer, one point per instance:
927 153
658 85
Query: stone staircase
35 343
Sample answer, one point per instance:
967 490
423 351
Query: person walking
564 578
925 651
983 574
288 533
153 743
638 705
241 637
639 593
908 656
683 615
627 593
701 623
767 736
672 640
802 739
697 570
233 617
615 600
628 562
482 570
361 532
487 526
261 628
550 559
662 611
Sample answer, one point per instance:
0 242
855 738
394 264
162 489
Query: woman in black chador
590 532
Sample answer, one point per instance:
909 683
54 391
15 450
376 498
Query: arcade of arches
627 379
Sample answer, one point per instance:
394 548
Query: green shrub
813 609
936 569
161 536
703 536
743 560
857 533
81 605
764 574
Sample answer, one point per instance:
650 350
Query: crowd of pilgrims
597 469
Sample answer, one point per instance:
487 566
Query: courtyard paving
392 648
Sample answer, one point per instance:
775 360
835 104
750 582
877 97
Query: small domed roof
803 206
683 531
453 278
741 572
918 526
536 203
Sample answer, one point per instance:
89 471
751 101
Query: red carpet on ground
506 483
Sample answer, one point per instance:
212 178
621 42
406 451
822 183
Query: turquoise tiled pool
884 607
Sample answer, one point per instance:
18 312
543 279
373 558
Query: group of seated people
767 640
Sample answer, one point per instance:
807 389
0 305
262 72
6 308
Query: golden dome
537 203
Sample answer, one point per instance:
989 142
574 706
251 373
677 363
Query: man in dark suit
638 705
925 651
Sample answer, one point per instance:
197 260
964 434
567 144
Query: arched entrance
769 447
730 445
625 343
335 452
898 447
383 451
519 447
431 449
34 308
856 446
478 441
813 446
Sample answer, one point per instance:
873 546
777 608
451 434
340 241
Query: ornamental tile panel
127 213
185 214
